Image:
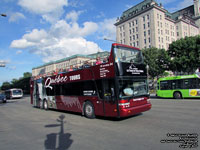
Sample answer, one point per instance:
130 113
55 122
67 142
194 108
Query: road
23 127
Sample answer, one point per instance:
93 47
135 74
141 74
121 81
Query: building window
144 26
148 24
136 22
148 17
129 24
144 18
177 33
133 23
144 33
145 41
133 37
133 30
130 38
137 43
149 40
137 36
136 29
130 31
148 32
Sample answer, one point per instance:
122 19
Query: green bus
178 87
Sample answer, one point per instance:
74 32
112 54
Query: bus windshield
129 88
17 92
128 55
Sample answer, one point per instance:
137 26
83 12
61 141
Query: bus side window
165 85
100 88
106 88
198 83
88 88
49 91
186 84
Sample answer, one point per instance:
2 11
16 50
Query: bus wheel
89 110
45 105
177 95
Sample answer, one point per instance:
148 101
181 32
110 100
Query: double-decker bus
14 93
117 88
186 86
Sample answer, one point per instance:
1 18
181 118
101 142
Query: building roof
188 11
137 8
149 4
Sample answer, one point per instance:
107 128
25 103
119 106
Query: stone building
149 24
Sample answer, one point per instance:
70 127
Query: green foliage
185 54
22 83
157 60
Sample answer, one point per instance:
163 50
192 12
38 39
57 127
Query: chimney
196 8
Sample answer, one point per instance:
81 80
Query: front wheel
177 95
89 110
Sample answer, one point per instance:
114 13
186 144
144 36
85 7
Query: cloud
107 29
50 10
71 30
16 16
61 40
73 15
19 52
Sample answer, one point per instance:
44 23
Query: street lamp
3 15
110 40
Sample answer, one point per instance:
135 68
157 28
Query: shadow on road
58 141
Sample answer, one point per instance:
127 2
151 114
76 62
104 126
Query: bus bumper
125 112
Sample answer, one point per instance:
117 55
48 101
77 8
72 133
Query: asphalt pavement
23 127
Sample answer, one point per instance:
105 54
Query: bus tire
45 105
177 95
89 110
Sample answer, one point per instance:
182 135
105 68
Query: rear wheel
45 105
177 95
89 110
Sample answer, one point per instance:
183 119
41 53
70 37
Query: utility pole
3 63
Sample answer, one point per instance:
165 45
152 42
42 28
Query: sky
39 31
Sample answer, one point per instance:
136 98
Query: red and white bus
117 88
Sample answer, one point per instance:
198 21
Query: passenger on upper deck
105 60
98 61
71 68
86 64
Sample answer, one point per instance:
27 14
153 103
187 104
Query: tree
22 82
157 60
6 85
27 74
185 55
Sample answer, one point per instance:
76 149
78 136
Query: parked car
3 98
